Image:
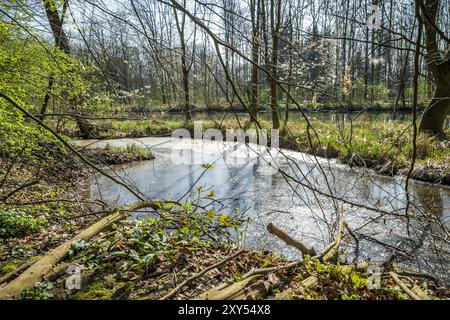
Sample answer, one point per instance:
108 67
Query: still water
243 179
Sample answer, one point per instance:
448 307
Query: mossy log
44 266
304 249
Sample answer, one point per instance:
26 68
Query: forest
224 150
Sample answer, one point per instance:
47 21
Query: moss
16 221
95 291
119 155
8 267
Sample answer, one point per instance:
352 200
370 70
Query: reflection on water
293 206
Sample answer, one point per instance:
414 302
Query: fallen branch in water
41 268
418 275
304 249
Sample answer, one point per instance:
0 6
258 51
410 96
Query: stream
243 179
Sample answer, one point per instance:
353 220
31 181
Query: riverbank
383 147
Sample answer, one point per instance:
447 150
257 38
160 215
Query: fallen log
289 293
227 292
247 289
304 249
197 275
404 287
420 293
43 267
257 290
271 269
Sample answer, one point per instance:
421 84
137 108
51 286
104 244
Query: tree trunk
184 66
61 41
434 116
56 24
255 58
47 97
275 24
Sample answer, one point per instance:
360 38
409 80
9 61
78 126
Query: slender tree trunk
62 42
48 93
56 24
401 88
184 66
275 24
255 11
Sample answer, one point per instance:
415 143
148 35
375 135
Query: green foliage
351 297
26 64
22 251
352 283
20 140
77 246
8 267
130 149
174 227
15 222
40 291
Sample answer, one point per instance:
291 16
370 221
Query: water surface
244 180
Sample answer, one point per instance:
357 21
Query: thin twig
197 275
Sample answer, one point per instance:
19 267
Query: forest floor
55 207
149 258
383 147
